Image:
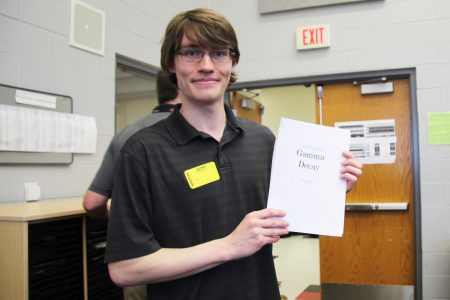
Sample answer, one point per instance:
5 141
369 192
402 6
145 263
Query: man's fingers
274 232
267 213
354 171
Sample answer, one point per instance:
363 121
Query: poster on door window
372 141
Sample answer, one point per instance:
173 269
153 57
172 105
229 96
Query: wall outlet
32 191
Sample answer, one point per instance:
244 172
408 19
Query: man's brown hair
206 28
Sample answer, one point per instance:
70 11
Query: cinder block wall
35 54
379 35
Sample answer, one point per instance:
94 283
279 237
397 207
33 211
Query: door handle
374 206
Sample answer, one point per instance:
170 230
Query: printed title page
305 180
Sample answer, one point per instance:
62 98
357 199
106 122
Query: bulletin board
63 104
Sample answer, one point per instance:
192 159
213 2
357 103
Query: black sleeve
103 180
129 228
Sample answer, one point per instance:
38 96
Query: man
189 216
95 200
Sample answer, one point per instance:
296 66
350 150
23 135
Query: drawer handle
100 245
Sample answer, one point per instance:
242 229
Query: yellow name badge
202 175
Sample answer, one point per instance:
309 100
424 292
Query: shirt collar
165 107
183 132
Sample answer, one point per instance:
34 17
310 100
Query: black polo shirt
154 205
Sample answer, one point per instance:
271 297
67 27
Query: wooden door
377 247
246 108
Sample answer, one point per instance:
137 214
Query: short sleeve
103 180
129 228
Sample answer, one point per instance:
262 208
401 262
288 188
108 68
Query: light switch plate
32 191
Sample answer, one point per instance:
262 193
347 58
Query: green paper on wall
439 128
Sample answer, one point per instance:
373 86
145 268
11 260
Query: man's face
204 81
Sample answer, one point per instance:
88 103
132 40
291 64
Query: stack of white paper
305 179
37 130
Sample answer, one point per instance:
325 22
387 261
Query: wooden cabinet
99 285
47 252
55 259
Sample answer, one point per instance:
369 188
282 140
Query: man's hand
351 170
257 229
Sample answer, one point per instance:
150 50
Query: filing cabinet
51 250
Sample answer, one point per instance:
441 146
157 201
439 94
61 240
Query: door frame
132 65
410 74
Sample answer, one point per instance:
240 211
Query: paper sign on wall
35 99
36 130
439 128
372 142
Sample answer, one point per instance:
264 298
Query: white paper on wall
38 130
372 142
35 99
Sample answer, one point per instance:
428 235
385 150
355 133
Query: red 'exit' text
316 36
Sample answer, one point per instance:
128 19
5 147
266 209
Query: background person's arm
96 205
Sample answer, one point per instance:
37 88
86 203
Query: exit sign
313 36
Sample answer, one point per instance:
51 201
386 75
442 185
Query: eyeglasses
196 55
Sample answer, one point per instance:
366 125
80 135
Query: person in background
189 216
96 198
